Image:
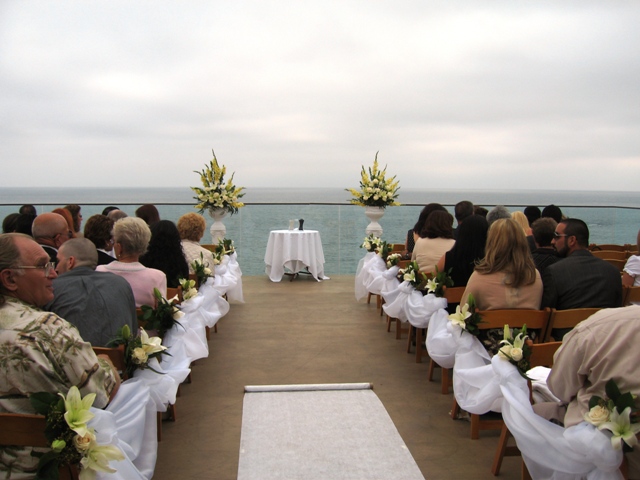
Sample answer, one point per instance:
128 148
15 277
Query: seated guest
97 303
467 251
590 356
551 211
24 224
191 228
478 210
631 271
28 210
51 230
505 278
436 238
496 213
9 223
106 210
98 229
165 253
116 215
462 210
148 213
47 354
532 213
67 216
544 254
579 280
131 236
414 234
521 220
76 216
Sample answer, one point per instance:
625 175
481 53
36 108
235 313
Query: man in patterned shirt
39 351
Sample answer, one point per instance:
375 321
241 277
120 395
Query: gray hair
9 254
83 250
116 215
498 212
133 234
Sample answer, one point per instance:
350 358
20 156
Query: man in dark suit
50 230
579 280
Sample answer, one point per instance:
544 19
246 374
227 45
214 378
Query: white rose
505 352
516 354
207 271
83 443
139 355
597 415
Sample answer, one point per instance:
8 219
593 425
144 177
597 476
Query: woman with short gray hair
131 237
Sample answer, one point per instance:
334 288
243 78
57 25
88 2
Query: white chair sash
550 451
362 273
442 339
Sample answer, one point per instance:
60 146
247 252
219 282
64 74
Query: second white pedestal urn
218 230
374 214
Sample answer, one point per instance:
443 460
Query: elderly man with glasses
579 280
51 230
39 351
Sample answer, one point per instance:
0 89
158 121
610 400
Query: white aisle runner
334 431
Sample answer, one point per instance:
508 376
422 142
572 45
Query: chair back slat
542 354
562 319
610 254
116 355
516 318
607 246
209 247
172 292
619 264
22 430
454 294
397 247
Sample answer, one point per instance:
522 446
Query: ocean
613 217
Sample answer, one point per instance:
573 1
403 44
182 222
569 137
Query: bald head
50 229
77 252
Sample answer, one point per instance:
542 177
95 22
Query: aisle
310 332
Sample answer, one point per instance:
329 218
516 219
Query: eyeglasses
47 267
558 235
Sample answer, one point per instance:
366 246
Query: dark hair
148 213
478 210
24 223
28 209
553 212
109 209
439 224
98 229
468 249
165 253
9 223
463 210
424 214
75 215
577 228
543 230
532 213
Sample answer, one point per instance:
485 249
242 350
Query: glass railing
342 227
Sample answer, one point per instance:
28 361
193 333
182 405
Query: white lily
151 345
97 459
432 285
77 410
459 318
623 430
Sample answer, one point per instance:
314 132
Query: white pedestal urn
374 214
218 230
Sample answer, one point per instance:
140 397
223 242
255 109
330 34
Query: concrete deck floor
309 332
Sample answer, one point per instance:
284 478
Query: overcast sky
453 94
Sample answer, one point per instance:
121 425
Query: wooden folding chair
541 356
630 295
24 430
453 296
619 264
563 319
172 292
209 247
537 320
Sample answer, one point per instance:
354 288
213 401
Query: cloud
458 94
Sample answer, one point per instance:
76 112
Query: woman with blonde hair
507 276
521 219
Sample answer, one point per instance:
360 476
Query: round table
295 251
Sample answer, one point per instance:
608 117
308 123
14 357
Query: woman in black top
165 253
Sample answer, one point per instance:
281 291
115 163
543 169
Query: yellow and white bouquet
215 193
375 189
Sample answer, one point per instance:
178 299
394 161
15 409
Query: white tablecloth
294 250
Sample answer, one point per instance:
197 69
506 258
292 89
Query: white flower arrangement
393 259
215 193
189 289
375 189
371 243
